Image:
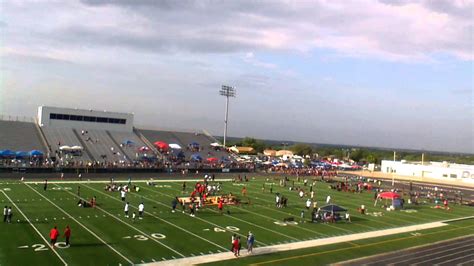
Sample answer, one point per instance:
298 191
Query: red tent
389 195
212 160
161 145
143 149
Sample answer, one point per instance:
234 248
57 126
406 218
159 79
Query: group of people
141 209
7 214
237 244
54 234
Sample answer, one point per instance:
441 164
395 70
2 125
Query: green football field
103 236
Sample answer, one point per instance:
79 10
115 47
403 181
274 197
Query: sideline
306 244
122 181
34 227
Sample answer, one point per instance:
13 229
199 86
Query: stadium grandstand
76 138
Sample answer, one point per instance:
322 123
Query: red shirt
220 205
54 233
67 232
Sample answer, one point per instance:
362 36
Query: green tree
302 149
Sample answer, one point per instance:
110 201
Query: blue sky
396 74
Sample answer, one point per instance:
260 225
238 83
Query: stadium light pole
226 91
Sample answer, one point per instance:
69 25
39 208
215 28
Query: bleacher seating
99 144
57 136
184 139
20 136
130 150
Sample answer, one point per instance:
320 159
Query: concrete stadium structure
103 136
458 173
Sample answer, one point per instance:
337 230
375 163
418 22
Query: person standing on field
67 235
53 235
125 209
9 215
5 210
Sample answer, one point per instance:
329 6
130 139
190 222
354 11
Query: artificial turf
103 235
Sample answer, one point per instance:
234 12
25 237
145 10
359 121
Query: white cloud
398 31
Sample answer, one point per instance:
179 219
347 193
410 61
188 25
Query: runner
53 235
67 235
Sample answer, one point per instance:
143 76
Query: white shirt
141 207
5 211
122 194
308 203
328 199
126 208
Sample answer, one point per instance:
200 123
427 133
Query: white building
436 170
84 119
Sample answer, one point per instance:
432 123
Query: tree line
361 155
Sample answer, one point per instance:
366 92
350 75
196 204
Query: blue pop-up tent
128 142
21 154
194 144
7 154
196 157
224 159
36 153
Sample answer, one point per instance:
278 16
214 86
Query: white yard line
83 226
131 226
163 220
299 245
122 181
34 227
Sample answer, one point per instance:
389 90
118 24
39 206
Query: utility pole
393 175
226 91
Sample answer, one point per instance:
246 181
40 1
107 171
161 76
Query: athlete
53 235
122 194
220 205
125 209
141 208
67 235
174 203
